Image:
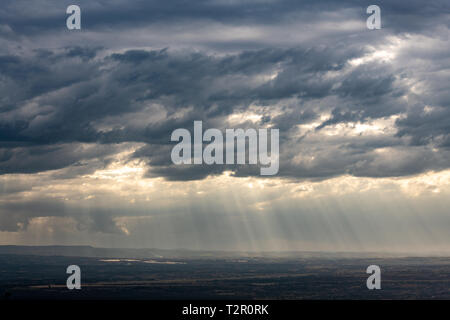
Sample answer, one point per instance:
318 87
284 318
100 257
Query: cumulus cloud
143 95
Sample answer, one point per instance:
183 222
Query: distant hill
89 251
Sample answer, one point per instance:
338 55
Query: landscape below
40 273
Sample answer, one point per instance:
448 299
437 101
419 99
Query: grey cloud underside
15 216
75 107
25 19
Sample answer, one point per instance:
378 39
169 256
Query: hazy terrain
40 273
89 251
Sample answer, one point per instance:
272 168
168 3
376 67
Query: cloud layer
348 101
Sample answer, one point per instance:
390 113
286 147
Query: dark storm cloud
53 100
73 109
51 157
79 94
26 18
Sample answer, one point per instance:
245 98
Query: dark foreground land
44 277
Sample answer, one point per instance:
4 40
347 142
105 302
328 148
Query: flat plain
135 278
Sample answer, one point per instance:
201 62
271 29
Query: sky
363 115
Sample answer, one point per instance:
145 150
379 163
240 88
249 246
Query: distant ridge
82 251
89 251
